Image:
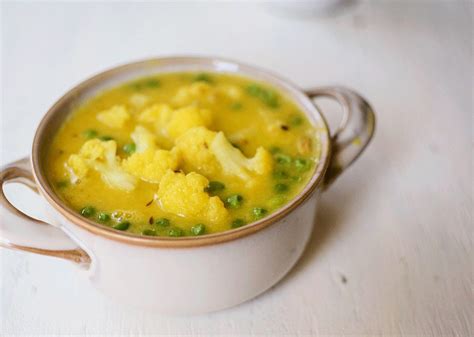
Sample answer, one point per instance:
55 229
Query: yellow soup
183 154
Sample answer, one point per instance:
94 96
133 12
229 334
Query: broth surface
182 176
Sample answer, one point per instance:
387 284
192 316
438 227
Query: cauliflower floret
149 163
100 156
230 91
195 94
173 123
144 139
116 117
95 149
186 118
242 136
77 168
233 162
272 124
211 153
138 100
193 149
158 114
184 195
202 93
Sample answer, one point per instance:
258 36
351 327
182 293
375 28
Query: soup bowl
185 275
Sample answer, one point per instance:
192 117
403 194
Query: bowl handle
22 232
354 132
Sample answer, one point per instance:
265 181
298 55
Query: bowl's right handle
354 132
21 232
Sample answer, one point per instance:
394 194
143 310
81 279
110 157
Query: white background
397 225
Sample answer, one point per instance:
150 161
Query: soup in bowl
196 179
183 154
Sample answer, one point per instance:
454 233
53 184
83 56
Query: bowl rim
188 241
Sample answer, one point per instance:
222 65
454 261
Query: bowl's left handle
22 232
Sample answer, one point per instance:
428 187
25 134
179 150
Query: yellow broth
250 114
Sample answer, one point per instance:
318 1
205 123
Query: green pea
88 211
296 179
62 184
122 226
149 232
268 97
254 90
105 138
129 148
175 232
203 77
282 158
136 86
302 164
198 229
236 106
277 201
162 222
280 188
259 212
151 83
103 217
237 223
147 83
90 133
296 120
274 149
214 187
280 174
234 201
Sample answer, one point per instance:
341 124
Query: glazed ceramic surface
225 268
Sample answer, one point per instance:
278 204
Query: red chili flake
150 221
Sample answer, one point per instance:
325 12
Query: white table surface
397 226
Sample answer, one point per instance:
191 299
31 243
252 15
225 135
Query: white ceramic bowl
190 274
